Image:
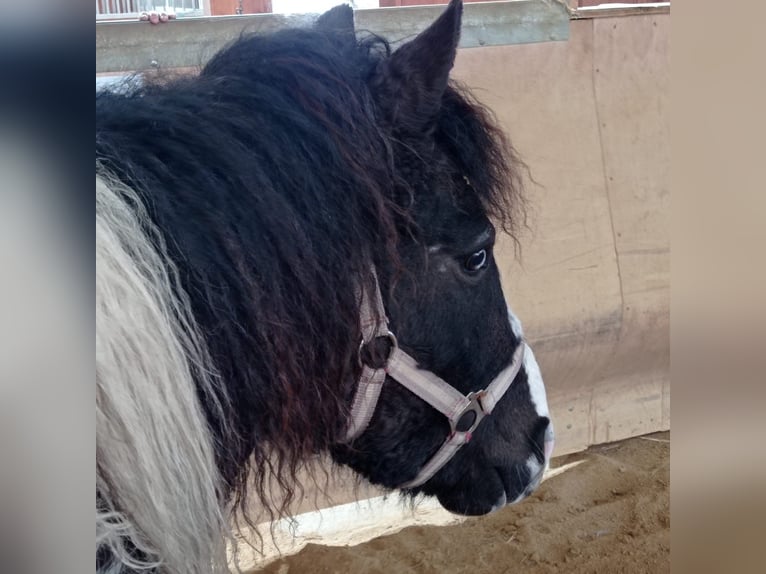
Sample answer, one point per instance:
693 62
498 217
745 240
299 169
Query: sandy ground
609 514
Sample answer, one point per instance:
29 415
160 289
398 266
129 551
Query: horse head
458 178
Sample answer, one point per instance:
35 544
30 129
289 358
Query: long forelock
470 133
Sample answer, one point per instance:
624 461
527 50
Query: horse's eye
476 261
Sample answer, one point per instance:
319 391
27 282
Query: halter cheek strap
401 367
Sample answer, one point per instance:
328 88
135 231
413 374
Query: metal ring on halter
394 344
475 407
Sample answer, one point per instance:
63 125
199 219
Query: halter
457 407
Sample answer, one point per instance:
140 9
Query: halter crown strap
435 391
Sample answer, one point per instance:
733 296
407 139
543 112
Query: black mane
275 187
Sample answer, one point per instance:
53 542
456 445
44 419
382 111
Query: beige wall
590 118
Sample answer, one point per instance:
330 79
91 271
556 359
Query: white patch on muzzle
534 377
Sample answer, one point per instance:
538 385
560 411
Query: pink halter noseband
402 368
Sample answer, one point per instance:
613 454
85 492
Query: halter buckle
474 408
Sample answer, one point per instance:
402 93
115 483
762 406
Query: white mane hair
156 479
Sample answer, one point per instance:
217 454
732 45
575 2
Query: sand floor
609 514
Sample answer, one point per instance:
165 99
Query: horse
294 258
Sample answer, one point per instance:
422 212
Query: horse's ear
409 85
339 19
